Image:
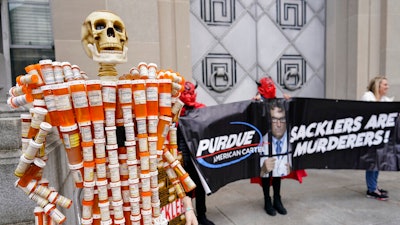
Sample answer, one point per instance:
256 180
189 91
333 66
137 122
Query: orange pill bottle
152 97
146 201
50 101
127 214
96 209
152 122
118 113
56 198
34 71
45 128
123 167
58 72
187 182
109 94
18 90
37 93
143 70
46 69
39 213
124 92
39 115
53 213
37 165
77 174
80 100
72 145
63 104
30 80
134 72
77 72
68 74
162 130
164 96
40 103
21 100
139 97
25 124
22 166
152 68
87 209
93 88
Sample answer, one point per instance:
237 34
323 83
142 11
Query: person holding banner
267 90
280 153
376 92
188 97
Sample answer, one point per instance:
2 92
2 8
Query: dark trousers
276 186
198 192
371 177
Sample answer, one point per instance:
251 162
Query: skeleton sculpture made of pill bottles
104 40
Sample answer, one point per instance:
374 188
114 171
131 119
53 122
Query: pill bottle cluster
46 198
119 139
45 72
29 170
46 111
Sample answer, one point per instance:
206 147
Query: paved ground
333 197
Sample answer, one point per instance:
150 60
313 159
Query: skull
104 37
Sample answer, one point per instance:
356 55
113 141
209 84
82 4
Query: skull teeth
111 52
110 47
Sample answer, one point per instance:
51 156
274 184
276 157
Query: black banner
342 134
226 141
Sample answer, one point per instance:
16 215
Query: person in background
376 92
267 90
188 97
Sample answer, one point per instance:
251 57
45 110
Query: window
31 35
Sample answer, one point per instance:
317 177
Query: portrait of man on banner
275 142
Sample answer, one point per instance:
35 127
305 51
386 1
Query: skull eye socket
99 25
118 27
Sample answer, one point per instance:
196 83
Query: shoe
378 196
268 207
383 191
279 206
204 221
